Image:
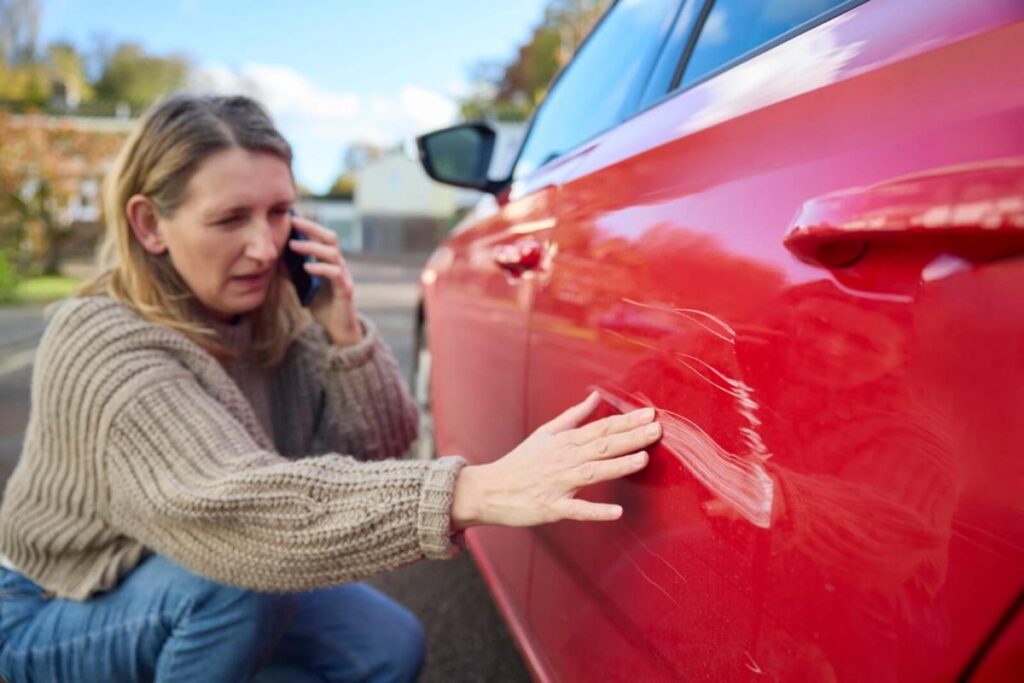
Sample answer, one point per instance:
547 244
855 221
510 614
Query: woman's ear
143 220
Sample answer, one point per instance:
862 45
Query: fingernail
640 457
653 429
615 512
646 413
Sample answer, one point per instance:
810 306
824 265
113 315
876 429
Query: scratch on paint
743 394
654 554
751 664
742 483
725 331
647 578
631 340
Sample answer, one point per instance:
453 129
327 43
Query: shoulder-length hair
158 160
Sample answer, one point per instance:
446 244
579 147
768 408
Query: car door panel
838 476
476 312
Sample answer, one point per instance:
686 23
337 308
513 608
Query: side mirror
460 156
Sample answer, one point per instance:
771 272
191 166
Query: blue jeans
164 623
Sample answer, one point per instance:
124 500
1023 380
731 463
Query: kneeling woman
208 466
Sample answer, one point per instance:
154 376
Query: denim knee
241 625
408 647
252 616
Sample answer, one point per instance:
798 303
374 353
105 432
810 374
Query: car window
602 82
735 27
664 71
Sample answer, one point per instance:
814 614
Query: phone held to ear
306 284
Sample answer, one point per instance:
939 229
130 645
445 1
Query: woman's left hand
334 306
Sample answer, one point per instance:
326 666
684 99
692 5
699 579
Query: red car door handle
519 257
975 210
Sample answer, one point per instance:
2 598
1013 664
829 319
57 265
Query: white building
400 208
335 214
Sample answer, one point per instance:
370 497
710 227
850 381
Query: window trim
674 89
622 115
672 41
666 42
691 43
554 84
828 15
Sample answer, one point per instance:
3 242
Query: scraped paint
709 322
740 482
742 393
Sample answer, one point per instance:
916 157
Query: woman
164 521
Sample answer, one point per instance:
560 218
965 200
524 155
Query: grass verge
43 289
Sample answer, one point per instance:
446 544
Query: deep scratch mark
726 332
740 482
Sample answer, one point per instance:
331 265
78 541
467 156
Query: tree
27 84
130 75
357 156
344 186
68 70
19 26
510 93
43 164
22 79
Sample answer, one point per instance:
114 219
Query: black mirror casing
460 155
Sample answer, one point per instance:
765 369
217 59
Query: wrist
467 497
349 335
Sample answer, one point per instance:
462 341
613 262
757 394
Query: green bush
8 279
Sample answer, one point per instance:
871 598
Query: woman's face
225 237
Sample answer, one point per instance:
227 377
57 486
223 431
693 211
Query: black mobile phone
306 284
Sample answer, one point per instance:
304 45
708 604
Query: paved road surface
467 639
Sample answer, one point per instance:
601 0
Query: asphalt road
467 639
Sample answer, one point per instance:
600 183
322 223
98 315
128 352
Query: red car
795 227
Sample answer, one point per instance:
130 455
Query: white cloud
320 122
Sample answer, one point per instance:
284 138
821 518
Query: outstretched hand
537 482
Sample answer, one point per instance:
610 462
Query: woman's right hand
536 483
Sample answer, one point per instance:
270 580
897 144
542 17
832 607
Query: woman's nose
261 246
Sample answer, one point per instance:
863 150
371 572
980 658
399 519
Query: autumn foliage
46 165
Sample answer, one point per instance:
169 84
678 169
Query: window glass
603 81
735 27
664 71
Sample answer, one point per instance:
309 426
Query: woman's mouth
252 280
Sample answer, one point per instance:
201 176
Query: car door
807 257
477 299
479 291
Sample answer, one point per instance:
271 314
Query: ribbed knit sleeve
365 407
188 481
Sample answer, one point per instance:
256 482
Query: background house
401 209
337 214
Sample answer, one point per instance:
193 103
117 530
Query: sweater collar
236 334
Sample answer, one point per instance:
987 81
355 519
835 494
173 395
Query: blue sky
330 71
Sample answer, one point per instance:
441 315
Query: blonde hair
158 160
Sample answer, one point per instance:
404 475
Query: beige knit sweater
140 441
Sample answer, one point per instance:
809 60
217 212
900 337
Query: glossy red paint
811 265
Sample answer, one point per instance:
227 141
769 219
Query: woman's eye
231 220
